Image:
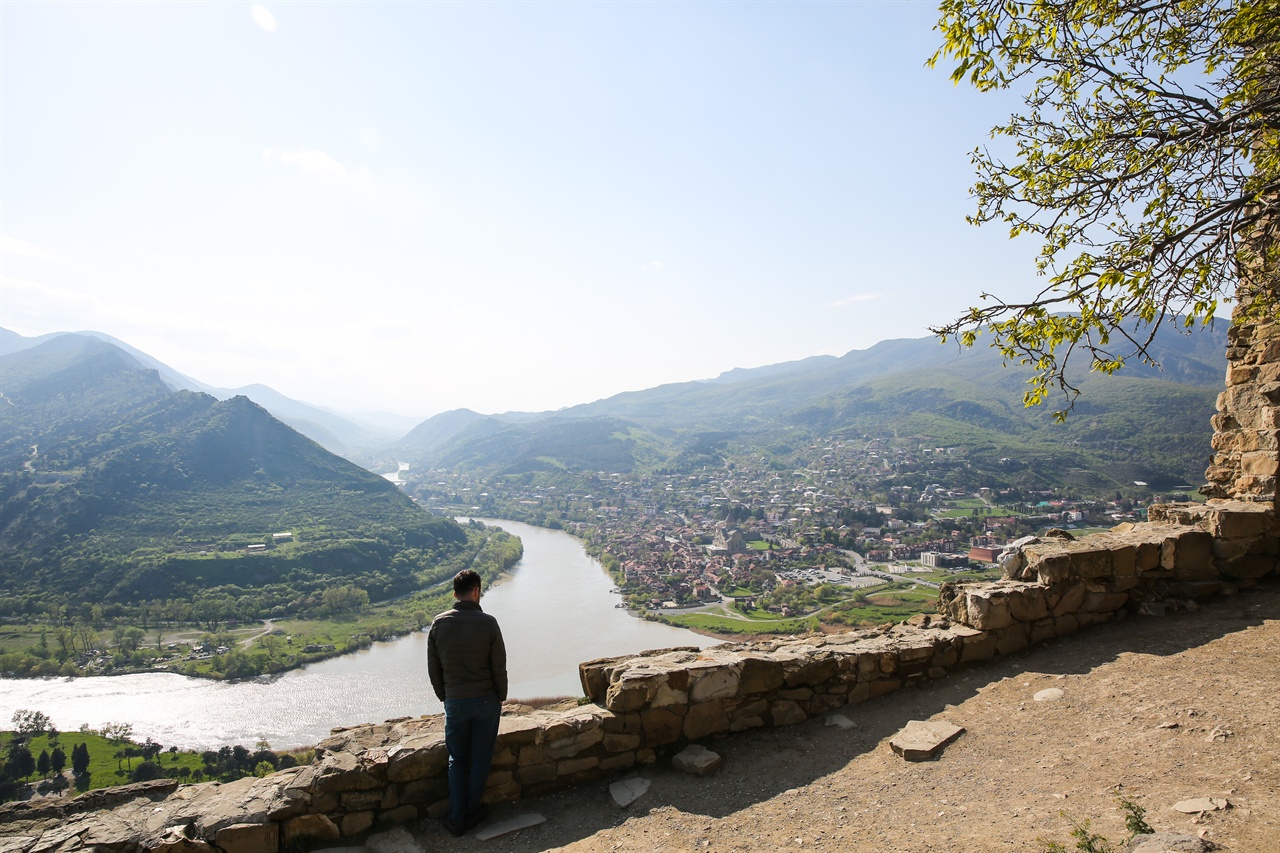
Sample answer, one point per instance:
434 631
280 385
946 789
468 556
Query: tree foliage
1145 160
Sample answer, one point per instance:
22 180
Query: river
556 610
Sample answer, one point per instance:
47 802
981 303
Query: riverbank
230 651
554 579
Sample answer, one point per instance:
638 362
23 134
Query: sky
414 207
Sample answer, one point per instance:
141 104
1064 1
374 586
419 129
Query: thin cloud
13 246
861 297
307 159
263 17
654 266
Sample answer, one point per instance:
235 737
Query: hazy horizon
502 207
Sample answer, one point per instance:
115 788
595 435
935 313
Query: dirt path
267 627
1159 709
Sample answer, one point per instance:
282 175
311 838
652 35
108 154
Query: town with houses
790 535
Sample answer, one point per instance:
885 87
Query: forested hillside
113 488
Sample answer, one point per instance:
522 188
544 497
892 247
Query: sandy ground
1158 709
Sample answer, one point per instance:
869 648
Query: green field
757 622
113 761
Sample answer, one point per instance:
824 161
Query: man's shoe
456 830
477 817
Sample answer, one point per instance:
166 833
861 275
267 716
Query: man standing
468 666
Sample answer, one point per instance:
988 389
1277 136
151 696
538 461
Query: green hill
113 488
1145 423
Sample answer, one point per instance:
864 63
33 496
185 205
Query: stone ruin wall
644 707
1246 429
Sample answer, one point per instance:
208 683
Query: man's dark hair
465 581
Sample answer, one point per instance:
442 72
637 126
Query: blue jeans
470 732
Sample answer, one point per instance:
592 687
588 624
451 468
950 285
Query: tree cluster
1145 160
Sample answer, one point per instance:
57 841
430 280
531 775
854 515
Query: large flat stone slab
920 740
511 824
627 791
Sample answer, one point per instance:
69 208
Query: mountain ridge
105 473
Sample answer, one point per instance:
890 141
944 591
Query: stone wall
642 707
1246 429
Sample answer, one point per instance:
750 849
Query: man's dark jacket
465 654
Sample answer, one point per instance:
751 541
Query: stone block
915 652
498 778
310 827
536 773
1238 374
1103 601
760 675
661 726
784 712
401 814
356 823
868 667
424 790
951 604
1248 568
741 724
1027 604
324 803
1189 555
980 647
810 672
594 676
632 689
248 838
798 694
883 686
574 744
946 656
502 793
1242 521
920 740
754 708
1069 599
1052 569
1012 639
532 755
1043 630
988 609
705 718
1095 562
341 771
1261 463
417 758
697 759
621 723
668 695
1125 584
720 682
519 729
1148 557
620 742
354 801
1067 624
572 766
1124 560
